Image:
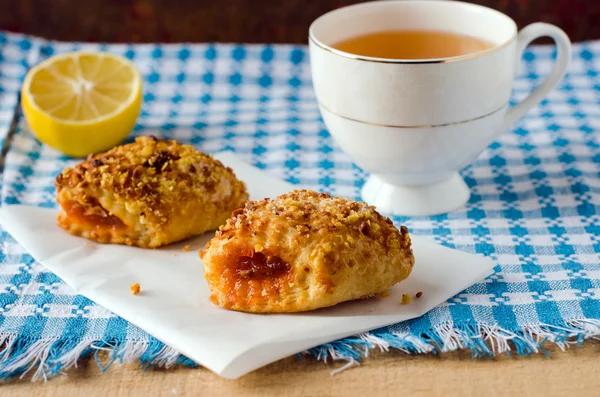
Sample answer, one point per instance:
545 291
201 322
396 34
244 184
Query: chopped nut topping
134 288
347 218
406 299
154 173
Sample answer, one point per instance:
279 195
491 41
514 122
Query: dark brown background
275 21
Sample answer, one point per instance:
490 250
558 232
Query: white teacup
414 123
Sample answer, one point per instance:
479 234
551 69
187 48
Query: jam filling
77 213
259 266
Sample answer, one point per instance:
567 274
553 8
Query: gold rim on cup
414 126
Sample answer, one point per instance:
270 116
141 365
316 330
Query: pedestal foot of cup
422 200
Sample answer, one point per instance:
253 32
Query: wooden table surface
573 373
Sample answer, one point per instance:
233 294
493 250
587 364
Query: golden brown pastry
148 193
302 251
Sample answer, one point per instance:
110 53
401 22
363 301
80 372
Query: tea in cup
413 91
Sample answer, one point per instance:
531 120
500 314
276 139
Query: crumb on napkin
186 248
134 288
175 254
406 298
384 294
419 294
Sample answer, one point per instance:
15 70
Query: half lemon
82 102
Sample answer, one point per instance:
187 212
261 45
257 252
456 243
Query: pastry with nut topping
148 193
302 251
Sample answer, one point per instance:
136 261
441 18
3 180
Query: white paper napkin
174 307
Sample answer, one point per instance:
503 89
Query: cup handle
563 47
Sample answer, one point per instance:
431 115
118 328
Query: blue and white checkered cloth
535 207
